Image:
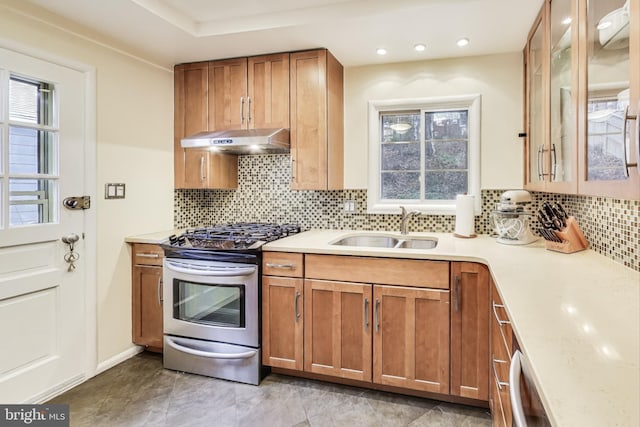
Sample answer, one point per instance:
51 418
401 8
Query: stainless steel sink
382 241
428 243
369 241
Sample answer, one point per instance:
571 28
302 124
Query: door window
29 176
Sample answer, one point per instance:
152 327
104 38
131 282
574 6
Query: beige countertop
153 238
576 317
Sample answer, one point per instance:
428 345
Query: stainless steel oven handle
211 271
515 371
194 352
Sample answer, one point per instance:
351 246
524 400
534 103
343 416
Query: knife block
573 239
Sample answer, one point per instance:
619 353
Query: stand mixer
510 219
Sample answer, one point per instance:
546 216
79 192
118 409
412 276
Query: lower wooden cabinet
337 329
411 338
146 296
469 330
282 322
501 351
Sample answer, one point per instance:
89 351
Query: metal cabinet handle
148 255
241 110
456 294
202 175
495 374
159 290
540 170
285 266
554 162
495 314
366 312
248 109
296 306
377 310
628 117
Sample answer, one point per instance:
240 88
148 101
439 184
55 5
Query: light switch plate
114 191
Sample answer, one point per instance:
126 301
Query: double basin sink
384 241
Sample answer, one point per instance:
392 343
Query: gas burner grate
233 236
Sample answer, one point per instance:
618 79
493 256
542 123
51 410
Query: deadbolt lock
77 203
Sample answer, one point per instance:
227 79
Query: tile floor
139 392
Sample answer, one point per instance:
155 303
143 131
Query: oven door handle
515 373
194 352
211 271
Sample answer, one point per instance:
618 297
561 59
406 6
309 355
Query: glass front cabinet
582 91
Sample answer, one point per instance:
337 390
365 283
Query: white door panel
43 310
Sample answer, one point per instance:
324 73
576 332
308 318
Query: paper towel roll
465 223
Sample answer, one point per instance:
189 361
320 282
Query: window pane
446 125
30 101
30 201
446 154
30 151
398 127
403 156
400 185
445 185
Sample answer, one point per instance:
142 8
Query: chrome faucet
404 221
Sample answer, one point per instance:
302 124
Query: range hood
246 141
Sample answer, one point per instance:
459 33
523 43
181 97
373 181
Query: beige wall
134 104
498 78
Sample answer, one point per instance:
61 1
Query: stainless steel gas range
212 299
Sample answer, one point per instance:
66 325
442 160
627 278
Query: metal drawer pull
296 306
554 162
377 314
286 266
194 352
495 374
366 311
539 166
628 117
141 255
241 110
495 314
248 109
456 296
159 290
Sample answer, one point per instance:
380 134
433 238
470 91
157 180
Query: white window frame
375 204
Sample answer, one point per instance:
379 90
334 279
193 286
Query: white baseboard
118 358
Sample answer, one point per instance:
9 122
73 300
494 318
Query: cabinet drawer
146 254
389 271
501 331
282 264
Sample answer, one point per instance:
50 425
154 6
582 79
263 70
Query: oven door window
209 304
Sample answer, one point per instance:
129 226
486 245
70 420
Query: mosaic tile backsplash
263 195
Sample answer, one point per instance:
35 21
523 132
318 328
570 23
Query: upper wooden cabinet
197 168
582 95
249 93
317 121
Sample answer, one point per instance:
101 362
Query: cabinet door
282 322
337 337
147 306
190 110
609 98
563 96
268 88
204 169
470 330
228 94
411 338
536 104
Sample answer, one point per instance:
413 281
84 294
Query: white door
43 311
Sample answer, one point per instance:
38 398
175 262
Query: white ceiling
175 31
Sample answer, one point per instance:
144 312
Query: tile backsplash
263 195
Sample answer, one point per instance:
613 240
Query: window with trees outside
422 153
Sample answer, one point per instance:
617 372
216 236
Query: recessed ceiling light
419 47
566 21
463 42
381 51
